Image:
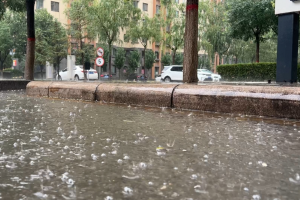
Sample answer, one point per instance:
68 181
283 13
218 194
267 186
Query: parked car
215 77
105 76
175 73
158 78
78 74
141 77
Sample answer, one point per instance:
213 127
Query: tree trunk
190 61
257 48
174 56
236 60
57 66
41 67
109 62
119 74
144 61
29 67
1 68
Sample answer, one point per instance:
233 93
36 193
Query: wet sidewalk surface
54 149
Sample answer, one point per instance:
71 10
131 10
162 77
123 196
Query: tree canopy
251 20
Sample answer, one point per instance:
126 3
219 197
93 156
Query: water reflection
53 149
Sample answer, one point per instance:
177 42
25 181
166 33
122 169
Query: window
135 4
176 1
157 9
54 6
157 55
145 7
177 69
39 4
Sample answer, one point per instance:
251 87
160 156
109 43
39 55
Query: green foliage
6 43
59 43
166 60
214 35
134 61
145 30
175 26
17 22
249 72
51 39
14 72
14 5
251 20
80 15
107 18
120 58
149 59
178 59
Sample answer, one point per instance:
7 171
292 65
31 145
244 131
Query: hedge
250 72
13 72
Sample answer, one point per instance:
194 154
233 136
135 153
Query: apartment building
149 7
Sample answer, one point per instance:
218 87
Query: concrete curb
271 101
73 90
136 94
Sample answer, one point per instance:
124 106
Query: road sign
99 61
100 52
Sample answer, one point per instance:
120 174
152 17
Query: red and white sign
15 63
100 52
99 61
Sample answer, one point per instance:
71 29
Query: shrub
13 72
250 72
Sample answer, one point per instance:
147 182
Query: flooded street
54 149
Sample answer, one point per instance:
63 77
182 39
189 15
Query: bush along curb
250 72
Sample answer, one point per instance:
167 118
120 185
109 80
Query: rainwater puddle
53 149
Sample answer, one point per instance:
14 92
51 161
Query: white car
175 73
215 77
78 74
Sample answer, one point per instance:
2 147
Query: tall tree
6 44
120 60
166 60
190 43
175 23
145 30
133 61
108 18
251 20
79 14
59 44
149 60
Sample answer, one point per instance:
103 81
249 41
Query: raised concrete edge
38 88
282 102
270 101
13 84
73 90
136 94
